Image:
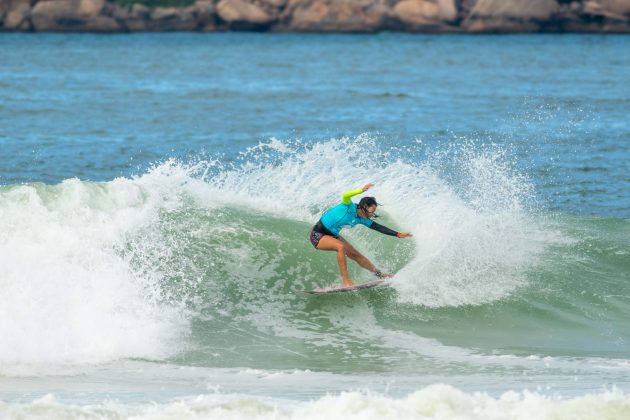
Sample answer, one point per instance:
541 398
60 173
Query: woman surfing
325 234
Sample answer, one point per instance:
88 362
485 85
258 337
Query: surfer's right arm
345 198
387 231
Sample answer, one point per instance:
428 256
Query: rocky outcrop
509 16
245 15
16 14
435 16
72 15
171 19
335 15
427 15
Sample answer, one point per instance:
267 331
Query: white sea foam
433 402
68 297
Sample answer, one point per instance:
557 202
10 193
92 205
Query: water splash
94 272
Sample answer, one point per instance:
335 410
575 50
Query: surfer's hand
404 234
367 187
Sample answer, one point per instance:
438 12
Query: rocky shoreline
423 16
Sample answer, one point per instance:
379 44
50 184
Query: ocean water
157 190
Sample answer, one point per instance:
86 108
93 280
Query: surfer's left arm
345 198
387 231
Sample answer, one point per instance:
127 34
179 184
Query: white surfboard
338 289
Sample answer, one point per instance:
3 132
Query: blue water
156 192
97 107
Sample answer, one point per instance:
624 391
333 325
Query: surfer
325 234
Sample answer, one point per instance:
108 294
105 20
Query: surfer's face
369 211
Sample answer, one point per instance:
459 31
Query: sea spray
477 228
225 244
469 208
68 296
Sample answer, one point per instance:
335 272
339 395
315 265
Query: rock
160 13
321 15
17 17
136 17
447 10
514 9
172 19
276 4
376 17
242 12
91 8
55 15
100 24
205 10
616 7
4 10
6 6
575 6
206 15
71 16
616 28
334 15
119 12
610 10
592 8
580 27
139 11
135 25
509 16
417 12
16 20
499 25
304 15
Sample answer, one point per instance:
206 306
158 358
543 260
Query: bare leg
329 243
355 255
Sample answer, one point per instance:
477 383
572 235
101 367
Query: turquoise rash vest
344 214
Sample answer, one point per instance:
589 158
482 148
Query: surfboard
339 289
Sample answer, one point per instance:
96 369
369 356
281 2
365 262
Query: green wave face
240 273
203 264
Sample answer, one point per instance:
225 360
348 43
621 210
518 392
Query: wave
208 254
433 402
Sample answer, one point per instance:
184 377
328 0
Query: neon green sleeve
345 198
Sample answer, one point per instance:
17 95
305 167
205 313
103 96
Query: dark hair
367 202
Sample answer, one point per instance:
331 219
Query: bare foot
386 275
348 283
